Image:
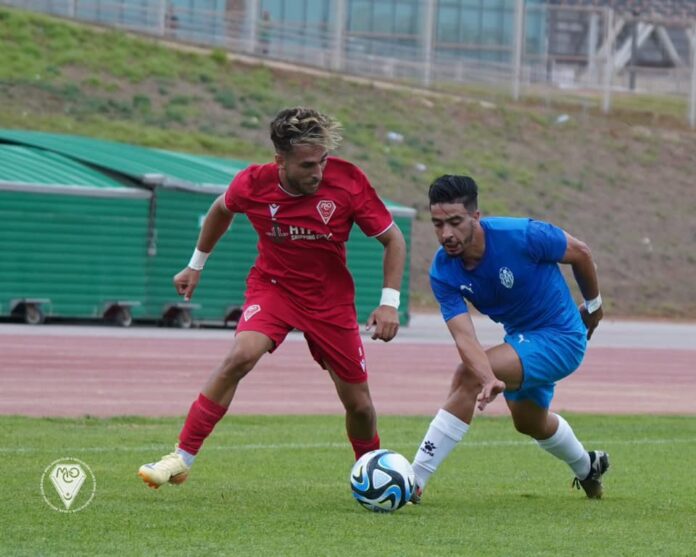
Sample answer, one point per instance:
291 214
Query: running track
57 370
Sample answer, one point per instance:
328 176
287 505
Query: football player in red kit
302 207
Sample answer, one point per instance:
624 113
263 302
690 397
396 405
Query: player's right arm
579 257
474 358
217 221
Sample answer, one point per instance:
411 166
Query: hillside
624 183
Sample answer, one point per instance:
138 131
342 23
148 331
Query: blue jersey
517 282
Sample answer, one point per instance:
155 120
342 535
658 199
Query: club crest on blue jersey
507 279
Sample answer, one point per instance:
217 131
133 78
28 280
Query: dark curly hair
454 189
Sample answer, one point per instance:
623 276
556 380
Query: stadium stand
668 9
661 31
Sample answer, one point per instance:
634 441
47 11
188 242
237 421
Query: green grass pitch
279 486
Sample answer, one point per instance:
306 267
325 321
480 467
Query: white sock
445 431
187 457
564 445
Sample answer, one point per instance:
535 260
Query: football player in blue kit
507 268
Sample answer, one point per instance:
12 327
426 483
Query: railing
607 64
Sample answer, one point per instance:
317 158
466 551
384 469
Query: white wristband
198 260
593 305
390 297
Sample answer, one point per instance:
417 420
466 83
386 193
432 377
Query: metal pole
634 53
252 17
692 96
162 17
517 48
549 15
608 61
428 35
592 48
339 35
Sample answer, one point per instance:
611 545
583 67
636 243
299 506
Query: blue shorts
547 356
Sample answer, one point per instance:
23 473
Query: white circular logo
62 485
507 279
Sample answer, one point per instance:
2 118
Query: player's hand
491 389
185 282
591 320
385 320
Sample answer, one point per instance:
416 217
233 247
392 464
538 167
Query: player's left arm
385 318
579 257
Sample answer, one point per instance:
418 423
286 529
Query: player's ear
280 160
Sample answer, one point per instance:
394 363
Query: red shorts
333 335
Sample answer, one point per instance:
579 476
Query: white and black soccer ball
382 481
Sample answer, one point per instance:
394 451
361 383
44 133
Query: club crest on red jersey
326 209
251 311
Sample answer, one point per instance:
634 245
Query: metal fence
586 52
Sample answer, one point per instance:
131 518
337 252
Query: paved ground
61 370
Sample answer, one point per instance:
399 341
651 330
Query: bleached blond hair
304 126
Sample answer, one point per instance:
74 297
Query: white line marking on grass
304 446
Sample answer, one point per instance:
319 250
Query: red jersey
302 237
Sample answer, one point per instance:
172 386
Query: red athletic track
106 376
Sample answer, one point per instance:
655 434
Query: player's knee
237 364
465 380
528 427
360 407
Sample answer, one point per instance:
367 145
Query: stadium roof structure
661 8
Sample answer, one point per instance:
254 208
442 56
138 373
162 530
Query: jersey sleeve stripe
383 231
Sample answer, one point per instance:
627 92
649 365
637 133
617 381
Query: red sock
362 446
202 418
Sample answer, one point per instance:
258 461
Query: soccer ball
382 481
